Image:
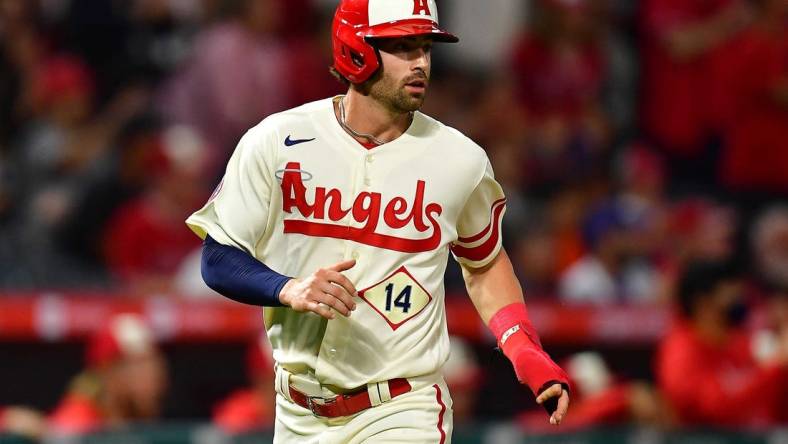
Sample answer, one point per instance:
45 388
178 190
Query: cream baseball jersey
300 194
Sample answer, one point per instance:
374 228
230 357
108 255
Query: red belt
345 405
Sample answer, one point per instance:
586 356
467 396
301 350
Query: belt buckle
313 401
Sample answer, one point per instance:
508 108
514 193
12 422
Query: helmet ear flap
354 57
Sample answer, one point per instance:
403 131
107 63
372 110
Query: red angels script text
367 209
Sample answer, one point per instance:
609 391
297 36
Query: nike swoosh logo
291 142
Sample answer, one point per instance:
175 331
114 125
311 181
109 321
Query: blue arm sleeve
237 275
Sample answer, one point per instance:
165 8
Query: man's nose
421 58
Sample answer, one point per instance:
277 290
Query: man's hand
498 298
558 396
324 289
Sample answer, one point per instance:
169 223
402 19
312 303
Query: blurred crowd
117 120
643 147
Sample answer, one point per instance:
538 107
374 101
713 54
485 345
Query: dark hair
700 279
336 74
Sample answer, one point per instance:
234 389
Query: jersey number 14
402 300
397 298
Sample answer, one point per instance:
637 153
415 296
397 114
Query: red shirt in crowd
719 385
682 100
242 412
141 240
554 81
756 151
76 414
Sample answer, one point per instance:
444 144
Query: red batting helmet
357 21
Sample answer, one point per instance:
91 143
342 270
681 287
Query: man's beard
394 96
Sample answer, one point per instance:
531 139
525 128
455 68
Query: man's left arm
498 297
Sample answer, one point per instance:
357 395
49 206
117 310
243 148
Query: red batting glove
520 343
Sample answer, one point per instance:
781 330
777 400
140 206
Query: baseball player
338 218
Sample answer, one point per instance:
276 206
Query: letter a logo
421 7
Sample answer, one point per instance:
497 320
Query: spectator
493 26
641 193
558 65
685 48
641 199
697 229
641 176
62 141
219 102
700 229
770 284
158 39
564 216
309 55
53 157
145 241
123 384
536 261
756 139
49 157
121 175
497 119
770 338
21 51
614 268
506 159
705 366
252 408
770 246
558 68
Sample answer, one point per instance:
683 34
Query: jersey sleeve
237 213
479 226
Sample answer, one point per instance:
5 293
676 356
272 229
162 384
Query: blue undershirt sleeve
237 275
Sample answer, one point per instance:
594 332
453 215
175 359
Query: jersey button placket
367 179
359 183
364 167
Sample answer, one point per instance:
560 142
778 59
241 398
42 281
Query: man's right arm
237 275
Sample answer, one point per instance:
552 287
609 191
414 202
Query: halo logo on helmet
358 21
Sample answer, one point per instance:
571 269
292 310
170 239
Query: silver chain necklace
343 122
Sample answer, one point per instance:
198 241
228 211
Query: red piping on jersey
440 415
480 252
481 234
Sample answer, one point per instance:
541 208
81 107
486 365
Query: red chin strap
519 341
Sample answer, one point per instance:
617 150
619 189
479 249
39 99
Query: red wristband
519 341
